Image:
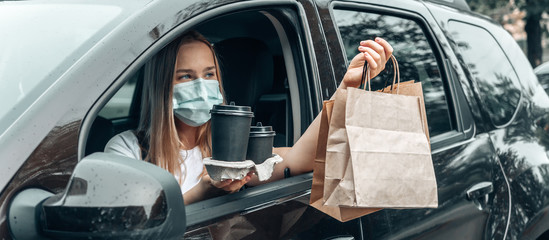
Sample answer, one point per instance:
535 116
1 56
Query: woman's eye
210 75
184 77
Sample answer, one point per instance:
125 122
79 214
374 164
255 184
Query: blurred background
526 20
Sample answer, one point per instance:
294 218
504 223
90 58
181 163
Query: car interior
253 71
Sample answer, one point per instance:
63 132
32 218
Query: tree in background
490 7
534 11
534 31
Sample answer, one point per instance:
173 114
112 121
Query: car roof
457 4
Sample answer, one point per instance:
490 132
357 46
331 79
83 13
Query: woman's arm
202 190
300 158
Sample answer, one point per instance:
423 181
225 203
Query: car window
119 105
417 60
493 75
542 72
253 72
262 65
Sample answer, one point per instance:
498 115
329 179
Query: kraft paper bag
411 88
317 190
378 152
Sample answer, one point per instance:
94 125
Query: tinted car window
493 75
416 58
120 103
542 72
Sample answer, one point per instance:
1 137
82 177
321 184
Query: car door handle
342 237
275 202
479 190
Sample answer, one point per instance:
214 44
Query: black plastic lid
232 110
261 131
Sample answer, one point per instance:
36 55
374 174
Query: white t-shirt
126 144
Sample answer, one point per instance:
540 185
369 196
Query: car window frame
131 107
461 118
134 67
255 198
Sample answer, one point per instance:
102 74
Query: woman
181 85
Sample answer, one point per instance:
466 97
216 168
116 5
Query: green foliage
487 6
534 7
491 7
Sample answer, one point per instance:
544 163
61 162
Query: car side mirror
108 196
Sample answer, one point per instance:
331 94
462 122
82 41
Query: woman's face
194 60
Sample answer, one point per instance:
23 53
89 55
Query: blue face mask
193 100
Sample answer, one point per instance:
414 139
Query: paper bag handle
366 74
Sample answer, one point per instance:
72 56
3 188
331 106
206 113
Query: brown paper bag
378 153
317 190
411 88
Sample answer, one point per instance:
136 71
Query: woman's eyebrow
184 70
209 68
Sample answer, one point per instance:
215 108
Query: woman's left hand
230 185
209 188
375 53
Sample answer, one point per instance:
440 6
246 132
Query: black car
71 75
542 71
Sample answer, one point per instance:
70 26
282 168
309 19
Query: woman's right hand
375 54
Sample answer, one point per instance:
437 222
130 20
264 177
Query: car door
85 93
282 92
57 78
277 209
515 108
472 189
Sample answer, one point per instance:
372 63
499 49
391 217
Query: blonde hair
156 132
